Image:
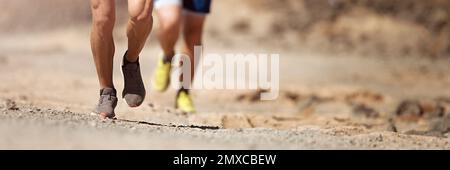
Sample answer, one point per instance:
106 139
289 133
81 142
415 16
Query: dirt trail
325 103
27 127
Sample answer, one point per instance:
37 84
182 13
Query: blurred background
366 27
382 65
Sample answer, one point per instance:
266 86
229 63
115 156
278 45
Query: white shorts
160 3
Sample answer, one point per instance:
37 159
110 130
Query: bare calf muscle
102 43
139 26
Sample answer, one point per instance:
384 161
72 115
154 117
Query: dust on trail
25 127
324 103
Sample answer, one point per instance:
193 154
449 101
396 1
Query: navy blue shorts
197 6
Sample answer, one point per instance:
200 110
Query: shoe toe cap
133 100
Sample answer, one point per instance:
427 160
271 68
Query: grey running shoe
107 103
134 90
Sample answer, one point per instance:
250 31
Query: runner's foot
107 103
134 90
184 101
162 75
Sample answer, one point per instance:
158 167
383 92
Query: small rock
409 108
67 110
10 105
240 97
352 142
251 97
447 135
294 97
442 125
412 109
379 138
432 109
30 110
391 125
362 109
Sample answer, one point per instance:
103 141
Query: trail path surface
48 88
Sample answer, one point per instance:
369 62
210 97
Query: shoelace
105 99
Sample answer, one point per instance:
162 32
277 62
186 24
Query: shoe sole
104 115
177 107
161 90
131 105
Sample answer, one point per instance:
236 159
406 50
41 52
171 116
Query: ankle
128 59
108 90
167 57
182 89
109 86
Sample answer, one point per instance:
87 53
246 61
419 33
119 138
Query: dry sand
48 89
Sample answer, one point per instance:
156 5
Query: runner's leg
169 17
139 26
192 32
102 43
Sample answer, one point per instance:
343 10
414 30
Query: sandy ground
48 88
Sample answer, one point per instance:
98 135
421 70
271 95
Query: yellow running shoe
162 76
184 102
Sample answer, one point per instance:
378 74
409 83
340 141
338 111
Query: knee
170 25
141 16
104 22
